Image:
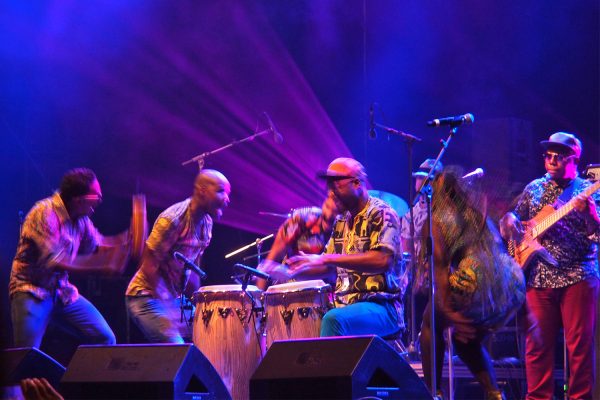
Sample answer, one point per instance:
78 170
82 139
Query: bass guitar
529 247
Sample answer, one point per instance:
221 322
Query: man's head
562 154
211 193
424 169
80 192
346 180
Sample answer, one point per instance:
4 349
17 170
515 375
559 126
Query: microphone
277 137
187 263
452 121
478 173
253 271
372 131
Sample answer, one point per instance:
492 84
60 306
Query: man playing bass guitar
562 285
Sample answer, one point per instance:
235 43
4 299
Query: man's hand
310 266
39 389
587 207
117 258
306 261
511 227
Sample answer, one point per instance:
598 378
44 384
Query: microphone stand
183 298
200 158
410 141
427 191
257 242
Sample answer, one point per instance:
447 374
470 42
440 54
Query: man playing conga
58 237
362 257
307 230
153 294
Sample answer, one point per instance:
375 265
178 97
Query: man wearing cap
362 257
419 215
562 290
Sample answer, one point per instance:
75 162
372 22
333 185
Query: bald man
153 294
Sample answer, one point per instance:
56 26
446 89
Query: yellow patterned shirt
173 231
48 237
376 227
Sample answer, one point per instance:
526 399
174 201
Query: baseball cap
344 167
425 167
564 140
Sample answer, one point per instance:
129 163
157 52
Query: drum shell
231 345
280 302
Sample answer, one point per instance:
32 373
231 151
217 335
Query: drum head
297 286
226 288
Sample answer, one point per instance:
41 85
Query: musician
562 290
58 237
363 258
307 230
419 214
153 294
478 286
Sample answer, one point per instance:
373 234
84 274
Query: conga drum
294 310
227 333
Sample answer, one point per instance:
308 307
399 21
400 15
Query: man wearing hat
562 290
362 257
419 215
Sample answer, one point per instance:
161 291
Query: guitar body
529 248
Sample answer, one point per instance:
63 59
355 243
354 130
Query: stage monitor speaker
335 368
29 362
155 371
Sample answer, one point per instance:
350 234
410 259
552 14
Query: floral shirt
49 237
304 231
173 231
574 251
420 217
376 227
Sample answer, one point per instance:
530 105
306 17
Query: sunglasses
92 197
555 156
338 178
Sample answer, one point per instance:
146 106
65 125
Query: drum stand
184 302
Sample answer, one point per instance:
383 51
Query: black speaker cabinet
29 362
156 371
335 368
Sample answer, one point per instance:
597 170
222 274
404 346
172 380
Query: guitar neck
552 218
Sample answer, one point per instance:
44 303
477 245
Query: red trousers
573 307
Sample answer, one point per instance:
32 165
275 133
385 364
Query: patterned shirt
420 216
376 227
574 251
49 237
173 231
420 274
304 231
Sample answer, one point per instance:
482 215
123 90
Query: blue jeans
157 319
362 318
30 317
